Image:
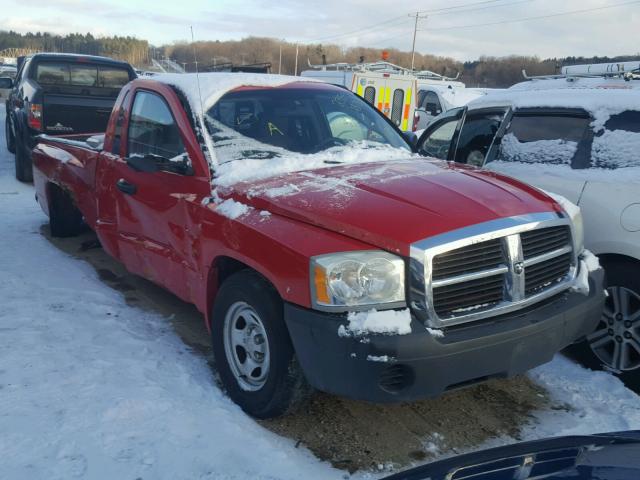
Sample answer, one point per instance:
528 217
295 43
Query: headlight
351 279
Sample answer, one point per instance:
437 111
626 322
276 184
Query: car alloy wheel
616 342
246 346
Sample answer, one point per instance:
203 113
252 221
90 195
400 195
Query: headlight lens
367 278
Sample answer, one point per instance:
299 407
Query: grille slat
461 296
469 259
536 242
468 294
543 274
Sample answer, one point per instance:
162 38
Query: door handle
126 187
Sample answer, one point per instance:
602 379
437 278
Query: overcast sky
449 32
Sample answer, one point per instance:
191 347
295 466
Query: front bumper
419 365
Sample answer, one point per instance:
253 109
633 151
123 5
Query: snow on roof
577 83
212 86
601 103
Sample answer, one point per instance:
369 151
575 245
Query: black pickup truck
60 94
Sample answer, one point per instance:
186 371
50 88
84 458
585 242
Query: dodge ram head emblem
518 268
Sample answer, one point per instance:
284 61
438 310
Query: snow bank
391 322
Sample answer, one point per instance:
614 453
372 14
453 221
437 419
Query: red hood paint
393 204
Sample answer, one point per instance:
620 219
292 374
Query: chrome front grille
491 268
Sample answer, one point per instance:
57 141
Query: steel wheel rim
246 346
616 342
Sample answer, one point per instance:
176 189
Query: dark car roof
74 57
587 457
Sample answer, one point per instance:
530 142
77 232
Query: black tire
65 220
285 387
8 135
24 170
620 275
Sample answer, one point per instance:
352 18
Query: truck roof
205 89
80 58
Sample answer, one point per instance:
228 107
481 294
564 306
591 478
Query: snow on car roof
601 103
577 83
205 89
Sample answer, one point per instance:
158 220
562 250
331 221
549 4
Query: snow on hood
600 103
392 204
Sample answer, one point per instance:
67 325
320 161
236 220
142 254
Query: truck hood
393 204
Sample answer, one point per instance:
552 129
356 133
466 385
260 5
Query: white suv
581 141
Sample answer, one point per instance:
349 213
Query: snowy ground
91 387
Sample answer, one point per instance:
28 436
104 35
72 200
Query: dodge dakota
322 252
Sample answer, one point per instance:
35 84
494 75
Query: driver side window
152 129
438 143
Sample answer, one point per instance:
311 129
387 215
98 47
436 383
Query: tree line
487 71
129 49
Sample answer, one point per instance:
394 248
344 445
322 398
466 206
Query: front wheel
252 349
615 344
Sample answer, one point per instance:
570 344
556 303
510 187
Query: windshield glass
269 123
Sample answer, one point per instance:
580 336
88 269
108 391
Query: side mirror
6 82
411 138
140 163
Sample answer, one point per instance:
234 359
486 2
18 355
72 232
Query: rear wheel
24 170
8 135
65 220
615 344
253 352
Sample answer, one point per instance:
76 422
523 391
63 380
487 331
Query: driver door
156 211
440 138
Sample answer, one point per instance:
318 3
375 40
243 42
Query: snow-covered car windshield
268 123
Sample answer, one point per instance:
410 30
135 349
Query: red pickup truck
320 249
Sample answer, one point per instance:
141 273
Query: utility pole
296 67
280 61
418 16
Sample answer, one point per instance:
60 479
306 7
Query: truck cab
57 94
343 263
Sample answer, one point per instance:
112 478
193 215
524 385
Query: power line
461 6
355 32
486 7
539 17
401 19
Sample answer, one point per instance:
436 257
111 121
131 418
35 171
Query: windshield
268 123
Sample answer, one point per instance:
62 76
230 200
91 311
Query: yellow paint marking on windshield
272 128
